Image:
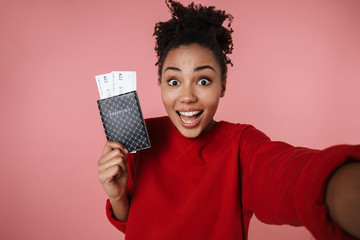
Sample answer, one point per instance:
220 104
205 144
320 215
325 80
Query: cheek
167 97
212 98
213 104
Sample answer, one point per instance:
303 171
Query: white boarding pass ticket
115 83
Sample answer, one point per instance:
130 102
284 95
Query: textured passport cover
123 121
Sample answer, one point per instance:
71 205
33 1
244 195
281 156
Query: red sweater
210 186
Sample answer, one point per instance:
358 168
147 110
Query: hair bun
195 24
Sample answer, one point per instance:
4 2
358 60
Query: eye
204 82
173 82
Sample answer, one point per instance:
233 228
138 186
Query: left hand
343 198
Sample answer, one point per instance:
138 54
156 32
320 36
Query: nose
188 94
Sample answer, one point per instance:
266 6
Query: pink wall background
296 77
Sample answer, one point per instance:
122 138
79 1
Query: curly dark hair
195 24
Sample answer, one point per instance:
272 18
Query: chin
189 133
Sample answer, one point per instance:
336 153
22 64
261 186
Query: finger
113 162
113 172
109 174
112 154
110 145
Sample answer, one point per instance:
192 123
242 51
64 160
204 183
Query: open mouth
190 116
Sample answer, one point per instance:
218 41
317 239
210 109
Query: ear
223 87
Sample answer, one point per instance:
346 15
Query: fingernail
126 151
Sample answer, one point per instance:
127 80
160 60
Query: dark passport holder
123 121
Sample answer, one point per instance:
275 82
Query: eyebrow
195 70
204 67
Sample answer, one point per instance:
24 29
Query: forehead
190 55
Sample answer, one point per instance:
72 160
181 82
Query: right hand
113 171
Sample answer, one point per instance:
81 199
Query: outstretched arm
283 184
343 198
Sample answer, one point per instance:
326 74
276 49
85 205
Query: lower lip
190 125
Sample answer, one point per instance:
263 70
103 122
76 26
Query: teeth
188 122
189 114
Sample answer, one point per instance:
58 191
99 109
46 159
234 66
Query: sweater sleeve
121 225
283 184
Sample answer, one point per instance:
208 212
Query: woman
204 179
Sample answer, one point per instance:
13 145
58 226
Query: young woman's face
191 87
